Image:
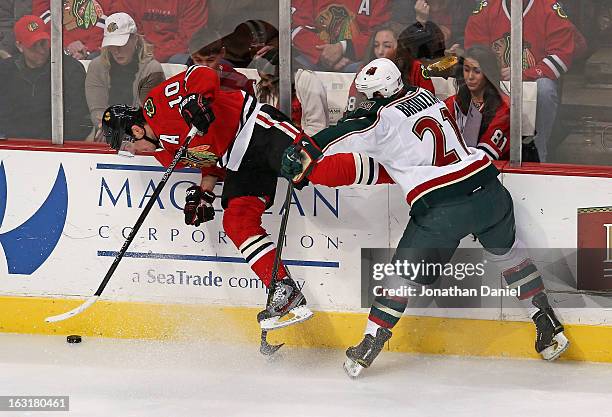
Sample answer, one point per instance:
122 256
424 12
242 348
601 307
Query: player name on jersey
423 100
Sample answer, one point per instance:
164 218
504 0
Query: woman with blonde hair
125 71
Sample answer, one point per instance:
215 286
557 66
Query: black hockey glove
197 112
298 160
198 206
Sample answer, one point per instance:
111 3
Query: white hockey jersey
417 141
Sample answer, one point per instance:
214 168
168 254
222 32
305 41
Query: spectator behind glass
481 110
125 71
167 24
83 22
225 15
604 24
414 44
309 109
436 11
248 40
384 44
450 15
329 36
25 107
10 12
207 48
549 45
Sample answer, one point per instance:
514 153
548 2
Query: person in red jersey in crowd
482 111
167 24
83 21
333 36
549 46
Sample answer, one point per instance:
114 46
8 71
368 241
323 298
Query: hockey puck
73 338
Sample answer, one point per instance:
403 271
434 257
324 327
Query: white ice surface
128 378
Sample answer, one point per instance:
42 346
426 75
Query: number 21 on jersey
443 154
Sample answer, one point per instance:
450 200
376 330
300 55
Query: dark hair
249 37
489 65
389 27
418 41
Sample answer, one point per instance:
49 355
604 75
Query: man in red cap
25 108
32 40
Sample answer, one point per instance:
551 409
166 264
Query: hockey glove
198 206
197 112
298 160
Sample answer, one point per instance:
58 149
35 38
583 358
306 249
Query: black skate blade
266 348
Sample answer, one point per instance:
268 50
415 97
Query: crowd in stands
126 42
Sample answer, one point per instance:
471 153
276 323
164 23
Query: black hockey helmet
117 122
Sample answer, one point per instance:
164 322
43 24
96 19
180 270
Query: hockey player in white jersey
453 192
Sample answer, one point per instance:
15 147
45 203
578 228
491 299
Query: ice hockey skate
361 356
288 306
550 340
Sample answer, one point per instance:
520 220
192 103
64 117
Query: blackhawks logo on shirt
200 157
82 14
334 24
501 47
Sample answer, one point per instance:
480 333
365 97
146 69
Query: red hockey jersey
419 76
167 24
228 136
548 36
494 140
318 22
83 20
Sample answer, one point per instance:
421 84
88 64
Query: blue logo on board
30 244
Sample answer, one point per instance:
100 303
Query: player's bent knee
242 220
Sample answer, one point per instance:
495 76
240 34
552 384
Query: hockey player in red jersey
331 34
242 142
453 192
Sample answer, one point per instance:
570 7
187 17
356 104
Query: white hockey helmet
379 76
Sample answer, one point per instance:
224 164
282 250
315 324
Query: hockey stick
182 150
266 348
